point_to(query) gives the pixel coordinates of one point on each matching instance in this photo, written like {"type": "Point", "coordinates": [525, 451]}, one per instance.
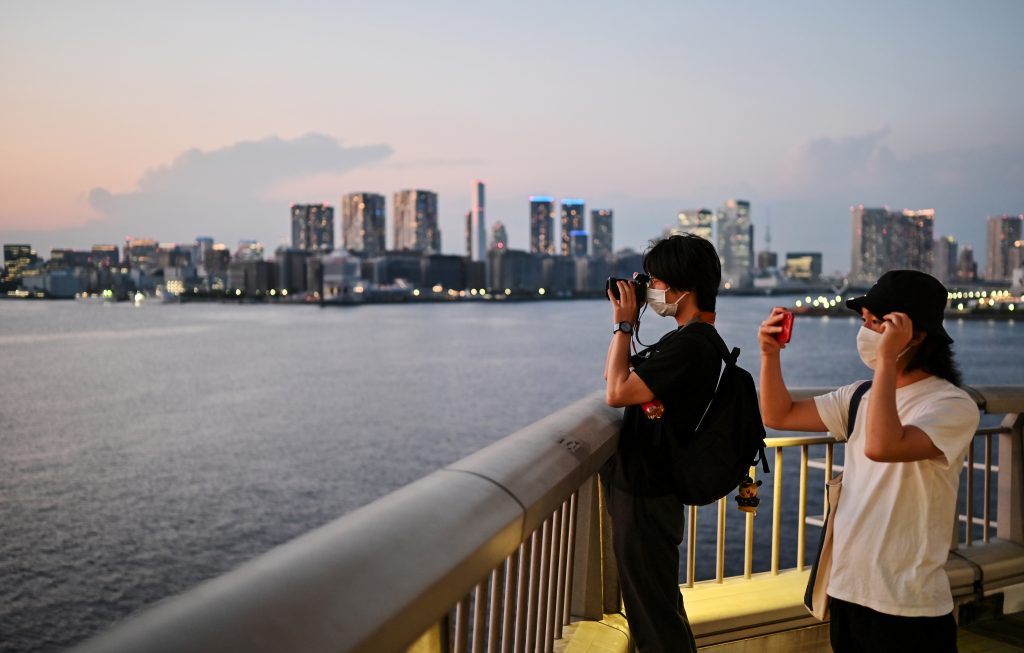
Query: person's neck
{"type": "Point", "coordinates": [905, 378]}
{"type": "Point", "coordinates": [686, 313]}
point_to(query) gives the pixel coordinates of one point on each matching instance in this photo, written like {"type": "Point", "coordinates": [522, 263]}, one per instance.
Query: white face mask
{"type": "Point", "coordinates": [656, 300]}
{"type": "Point", "coordinates": [867, 347]}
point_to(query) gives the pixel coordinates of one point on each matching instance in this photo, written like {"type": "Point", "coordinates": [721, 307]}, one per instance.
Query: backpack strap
{"type": "Point", "coordinates": [851, 415]}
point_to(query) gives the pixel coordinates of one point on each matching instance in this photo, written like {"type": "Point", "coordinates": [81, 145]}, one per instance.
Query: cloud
{"type": "Point", "coordinates": [225, 192]}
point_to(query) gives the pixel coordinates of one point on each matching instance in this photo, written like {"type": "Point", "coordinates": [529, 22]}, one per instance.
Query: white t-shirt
{"type": "Point", "coordinates": [895, 520]}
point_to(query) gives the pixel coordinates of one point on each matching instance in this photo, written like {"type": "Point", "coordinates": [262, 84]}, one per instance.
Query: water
{"type": "Point", "coordinates": [143, 450]}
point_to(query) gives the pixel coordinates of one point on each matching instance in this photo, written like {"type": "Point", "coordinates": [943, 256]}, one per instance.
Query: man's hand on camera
{"type": "Point", "coordinates": [624, 309]}
{"type": "Point", "coordinates": [766, 335]}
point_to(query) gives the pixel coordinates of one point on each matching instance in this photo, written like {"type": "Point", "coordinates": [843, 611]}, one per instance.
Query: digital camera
{"type": "Point", "coordinates": [639, 283]}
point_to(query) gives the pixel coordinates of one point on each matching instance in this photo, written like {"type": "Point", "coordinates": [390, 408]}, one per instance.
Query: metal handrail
{"type": "Point", "coordinates": [505, 543]}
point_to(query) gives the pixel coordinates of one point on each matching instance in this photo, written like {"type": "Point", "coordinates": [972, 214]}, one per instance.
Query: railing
{"type": "Point", "coordinates": [511, 539]}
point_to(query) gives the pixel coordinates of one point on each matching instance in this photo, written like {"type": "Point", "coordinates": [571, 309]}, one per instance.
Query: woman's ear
{"type": "Point", "coordinates": [918, 338]}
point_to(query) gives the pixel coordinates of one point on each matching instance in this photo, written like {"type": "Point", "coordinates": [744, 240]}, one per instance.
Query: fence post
{"type": "Point", "coordinates": [1010, 517]}
{"type": "Point", "coordinates": [593, 574]}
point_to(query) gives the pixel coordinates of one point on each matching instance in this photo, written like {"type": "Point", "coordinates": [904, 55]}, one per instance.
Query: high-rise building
{"type": "Point", "coordinates": [415, 221]}
{"type": "Point", "coordinates": [478, 223]}
{"type": "Point", "coordinates": [469, 235]}
{"type": "Point", "coordinates": [499, 236]}
{"type": "Point", "coordinates": [16, 259]}
{"type": "Point", "coordinates": [805, 266]}
{"type": "Point", "coordinates": [698, 222]}
{"type": "Point", "coordinates": [542, 224]}
{"type": "Point", "coordinates": [944, 265]}
{"type": "Point", "coordinates": [313, 227]}
{"type": "Point", "coordinates": [1003, 232]}
{"type": "Point", "coordinates": [141, 253]}
{"type": "Point", "coordinates": [248, 250]}
{"type": "Point", "coordinates": [601, 232]}
{"type": "Point", "coordinates": [767, 260]}
{"type": "Point", "coordinates": [362, 223]}
{"type": "Point", "coordinates": [574, 229]}
{"type": "Point", "coordinates": [107, 256]}
{"type": "Point", "coordinates": [889, 240]}
{"type": "Point", "coordinates": [736, 242]}
{"type": "Point", "coordinates": [966, 266]}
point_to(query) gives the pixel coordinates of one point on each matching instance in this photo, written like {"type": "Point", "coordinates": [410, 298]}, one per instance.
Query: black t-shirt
{"type": "Point", "coordinates": [681, 370]}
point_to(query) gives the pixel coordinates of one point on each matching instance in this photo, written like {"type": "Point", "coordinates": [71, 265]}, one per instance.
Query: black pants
{"type": "Point", "coordinates": [646, 533]}
{"type": "Point", "coordinates": [856, 628]}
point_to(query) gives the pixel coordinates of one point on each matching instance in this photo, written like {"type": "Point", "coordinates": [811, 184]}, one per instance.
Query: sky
{"type": "Point", "coordinates": [174, 120]}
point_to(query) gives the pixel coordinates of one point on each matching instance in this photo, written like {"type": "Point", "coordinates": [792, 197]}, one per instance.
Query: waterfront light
{"type": "Point", "coordinates": [359, 290]}
{"type": "Point", "coordinates": [416, 292]}
{"type": "Point", "coordinates": [807, 299]}
{"type": "Point", "coordinates": [508, 291]}
{"type": "Point", "coordinates": [799, 303]}
{"type": "Point", "coordinates": [1012, 307]}
{"type": "Point", "coordinates": [238, 292]}
{"type": "Point", "coordinates": [959, 307]}
{"type": "Point", "coordinates": [284, 292]}
{"type": "Point", "coordinates": [437, 288]}
{"type": "Point", "coordinates": [273, 292]}
{"type": "Point", "coordinates": [472, 291]}
{"type": "Point", "coordinates": [541, 291]}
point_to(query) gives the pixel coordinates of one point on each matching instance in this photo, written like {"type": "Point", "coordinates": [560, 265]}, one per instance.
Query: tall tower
{"type": "Point", "coordinates": [890, 240]}
{"type": "Point", "coordinates": [478, 239]}
{"type": "Point", "coordinates": [542, 224]}
{"type": "Point", "coordinates": [313, 227]}
{"type": "Point", "coordinates": [415, 221]}
{"type": "Point", "coordinates": [601, 232]}
{"type": "Point", "coordinates": [736, 242]}
{"type": "Point", "coordinates": [698, 222]}
{"type": "Point", "coordinates": [574, 231]}
{"type": "Point", "coordinates": [944, 266]}
{"type": "Point", "coordinates": [499, 236]}
{"type": "Point", "coordinates": [362, 223]}
{"type": "Point", "coordinates": [1002, 233]}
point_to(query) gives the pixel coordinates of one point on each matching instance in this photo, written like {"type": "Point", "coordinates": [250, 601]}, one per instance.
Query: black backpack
{"type": "Point", "coordinates": [710, 462]}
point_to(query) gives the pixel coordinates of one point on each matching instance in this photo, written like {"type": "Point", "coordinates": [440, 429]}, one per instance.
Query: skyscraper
{"type": "Point", "coordinates": [415, 221]}
{"type": "Point", "coordinates": [1003, 232]}
{"type": "Point", "coordinates": [362, 223]}
{"type": "Point", "coordinates": [698, 222]}
{"type": "Point", "coordinates": [944, 267]}
{"type": "Point", "coordinates": [574, 229]}
{"type": "Point", "coordinates": [313, 227]}
{"type": "Point", "coordinates": [478, 239]}
{"type": "Point", "coordinates": [499, 236]}
{"type": "Point", "coordinates": [601, 232]}
{"type": "Point", "coordinates": [736, 242]}
{"type": "Point", "coordinates": [16, 258]}
{"type": "Point", "coordinates": [542, 224]}
{"type": "Point", "coordinates": [889, 240]}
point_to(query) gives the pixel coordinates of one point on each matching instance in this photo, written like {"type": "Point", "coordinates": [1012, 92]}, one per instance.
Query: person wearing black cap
{"type": "Point", "coordinates": [901, 471]}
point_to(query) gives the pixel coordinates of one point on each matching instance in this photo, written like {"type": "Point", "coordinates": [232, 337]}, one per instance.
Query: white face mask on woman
{"type": "Point", "coordinates": [867, 346]}
{"type": "Point", "coordinates": [656, 300]}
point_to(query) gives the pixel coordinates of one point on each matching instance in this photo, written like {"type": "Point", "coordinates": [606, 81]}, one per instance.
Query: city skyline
{"type": "Point", "coordinates": [813, 109]}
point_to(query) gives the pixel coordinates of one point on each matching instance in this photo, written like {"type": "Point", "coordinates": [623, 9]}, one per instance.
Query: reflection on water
{"type": "Point", "coordinates": [145, 449]}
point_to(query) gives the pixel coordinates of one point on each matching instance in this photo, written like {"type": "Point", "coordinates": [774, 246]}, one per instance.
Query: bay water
{"type": "Point", "coordinates": [146, 449]}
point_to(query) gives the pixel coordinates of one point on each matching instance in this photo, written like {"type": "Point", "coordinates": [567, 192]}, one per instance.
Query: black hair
{"type": "Point", "coordinates": [935, 356]}
{"type": "Point", "coordinates": [686, 262]}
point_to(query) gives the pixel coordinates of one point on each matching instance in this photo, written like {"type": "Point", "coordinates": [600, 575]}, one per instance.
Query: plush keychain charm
{"type": "Point", "coordinates": [747, 499]}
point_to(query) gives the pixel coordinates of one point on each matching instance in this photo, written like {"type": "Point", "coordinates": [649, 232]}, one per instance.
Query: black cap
{"type": "Point", "coordinates": [921, 296]}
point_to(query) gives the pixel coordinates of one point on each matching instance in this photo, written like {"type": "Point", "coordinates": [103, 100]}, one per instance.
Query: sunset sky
{"type": "Point", "coordinates": [210, 118]}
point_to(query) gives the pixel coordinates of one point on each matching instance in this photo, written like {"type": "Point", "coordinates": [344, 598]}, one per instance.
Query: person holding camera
{"type": "Point", "coordinates": [665, 389]}
{"type": "Point", "coordinates": [888, 588]}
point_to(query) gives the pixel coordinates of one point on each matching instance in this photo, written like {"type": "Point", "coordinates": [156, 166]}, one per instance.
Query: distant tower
{"type": "Point", "coordinates": [415, 221]}
{"type": "Point", "coordinates": [946, 252]}
{"type": "Point", "coordinates": [736, 242]}
{"type": "Point", "coordinates": [889, 240]}
{"type": "Point", "coordinates": [542, 224]}
{"type": "Point", "coordinates": [574, 231]}
{"type": "Point", "coordinates": [499, 236]}
{"type": "Point", "coordinates": [601, 232]}
{"type": "Point", "coordinates": [1002, 232]}
{"type": "Point", "coordinates": [362, 223]}
{"type": "Point", "coordinates": [698, 222]}
{"type": "Point", "coordinates": [469, 235]}
{"type": "Point", "coordinates": [313, 227]}
{"type": "Point", "coordinates": [478, 222]}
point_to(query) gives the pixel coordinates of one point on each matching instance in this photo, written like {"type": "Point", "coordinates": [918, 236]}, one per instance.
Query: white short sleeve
{"type": "Point", "coordinates": [833, 408]}
{"type": "Point", "coordinates": [950, 421]}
